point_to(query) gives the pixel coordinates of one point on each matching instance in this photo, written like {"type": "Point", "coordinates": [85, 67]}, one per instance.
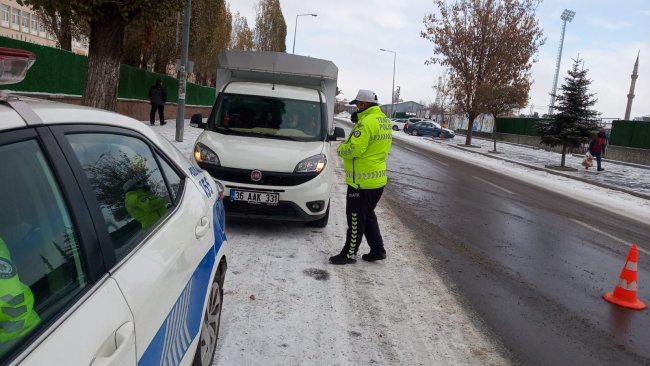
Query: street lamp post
{"type": "Point", "coordinates": [392, 95]}
{"type": "Point", "coordinates": [295, 29]}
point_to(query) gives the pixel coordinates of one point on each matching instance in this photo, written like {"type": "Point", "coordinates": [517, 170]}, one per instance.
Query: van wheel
{"type": "Point", "coordinates": [395, 128]}
{"type": "Point", "coordinates": [210, 327]}
{"type": "Point", "coordinates": [322, 222]}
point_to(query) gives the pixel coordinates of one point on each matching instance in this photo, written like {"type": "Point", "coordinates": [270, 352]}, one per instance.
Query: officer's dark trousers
{"type": "Point", "coordinates": [161, 113]}
{"type": "Point", "coordinates": [362, 221]}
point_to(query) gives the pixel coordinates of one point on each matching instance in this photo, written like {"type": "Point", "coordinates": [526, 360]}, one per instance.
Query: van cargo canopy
{"type": "Point", "coordinates": [277, 67]}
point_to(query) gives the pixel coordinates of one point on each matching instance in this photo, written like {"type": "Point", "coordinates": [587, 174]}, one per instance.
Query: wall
{"type": "Point", "coordinates": [137, 109]}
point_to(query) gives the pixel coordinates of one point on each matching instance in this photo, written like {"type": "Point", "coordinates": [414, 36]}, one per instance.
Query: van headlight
{"type": "Point", "coordinates": [203, 154]}
{"type": "Point", "coordinates": [314, 164]}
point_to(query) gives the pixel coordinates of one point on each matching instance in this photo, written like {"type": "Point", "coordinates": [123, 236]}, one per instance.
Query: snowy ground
{"type": "Point", "coordinates": [285, 305]}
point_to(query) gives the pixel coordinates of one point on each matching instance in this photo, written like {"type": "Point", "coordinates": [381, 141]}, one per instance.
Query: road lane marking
{"type": "Point", "coordinates": [608, 235]}
{"type": "Point", "coordinates": [494, 185]}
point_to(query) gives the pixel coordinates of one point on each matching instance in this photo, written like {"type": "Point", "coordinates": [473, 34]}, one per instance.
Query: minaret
{"type": "Point", "coordinates": [630, 96]}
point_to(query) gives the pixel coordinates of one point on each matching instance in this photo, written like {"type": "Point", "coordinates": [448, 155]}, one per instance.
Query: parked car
{"type": "Point", "coordinates": [398, 123]}
{"type": "Point", "coordinates": [413, 120]}
{"type": "Point", "coordinates": [428, 128]}
{"type": "Point", "coordinates": [112, 242]}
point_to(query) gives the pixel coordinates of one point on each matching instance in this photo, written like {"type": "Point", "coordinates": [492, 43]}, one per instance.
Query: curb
{"type": "Point", "coordinates": [555, 172]}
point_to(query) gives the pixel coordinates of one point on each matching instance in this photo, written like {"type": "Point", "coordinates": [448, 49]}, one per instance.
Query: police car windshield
{"type": "Point", "coordinates": [266, 117]}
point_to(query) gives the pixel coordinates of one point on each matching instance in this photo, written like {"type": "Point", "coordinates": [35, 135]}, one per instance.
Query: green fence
{"type": "Point", "coordinates": [58, 71]}
{"type": "Point", "coordinates": [517, 126]}
{"type": "Point", "coordinates": [630, 134]}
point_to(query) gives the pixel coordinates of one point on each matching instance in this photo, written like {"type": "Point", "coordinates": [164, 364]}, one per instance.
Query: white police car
{"type": "Point", "coordinates": [112, 243]}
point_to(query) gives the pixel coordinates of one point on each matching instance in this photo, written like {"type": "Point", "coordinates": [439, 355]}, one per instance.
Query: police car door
{"type": "Point", "coordinates": [59, 305]}
{"type": "Point", "coordinates": [160, 233]}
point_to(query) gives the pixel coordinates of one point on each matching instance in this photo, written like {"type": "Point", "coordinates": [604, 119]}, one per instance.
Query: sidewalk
{"type": "Point", "coordinates": [625, 177]}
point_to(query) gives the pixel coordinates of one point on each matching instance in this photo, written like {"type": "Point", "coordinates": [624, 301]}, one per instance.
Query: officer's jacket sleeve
{"type": "Point", "coordinates": [357, 142]}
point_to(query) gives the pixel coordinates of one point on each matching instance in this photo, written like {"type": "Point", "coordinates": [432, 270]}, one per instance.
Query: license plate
{"type": "Point", "coordinates": [253, 197]}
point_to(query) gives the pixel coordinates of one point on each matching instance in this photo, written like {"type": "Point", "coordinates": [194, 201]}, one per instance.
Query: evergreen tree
{"type": "Point", "coordinates": [576, 121]}
{"type": "Point", "coordinates": [270, 27]}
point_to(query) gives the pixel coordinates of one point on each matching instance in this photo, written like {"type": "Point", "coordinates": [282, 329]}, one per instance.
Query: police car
{"type": "Point", "coordinates": [112, 243]}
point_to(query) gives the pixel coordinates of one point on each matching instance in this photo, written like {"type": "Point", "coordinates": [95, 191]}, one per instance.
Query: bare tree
{"type": "Point", "coordinates": [242, 35]}
{"type": "Point", "coordinates": [443, 93]}
{"type": "Point", "coordinates": [270, 27]}
{"type": "Point", "coordinates": [482, 42]}
{"type": "Point", "coordinates": [498, 99]}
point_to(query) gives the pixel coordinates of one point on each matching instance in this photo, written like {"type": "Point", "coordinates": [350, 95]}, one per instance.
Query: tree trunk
{"type": "Point", "coordinates": [468, 138]}
{"type": "Point", "coordinates": [104, 57]}
{"type": "Point", "coordinates": [563, 155]}
{"type": "Point", "coordinates": [494, 131]}
{"type": "Point", "coordinates": [65, 37]}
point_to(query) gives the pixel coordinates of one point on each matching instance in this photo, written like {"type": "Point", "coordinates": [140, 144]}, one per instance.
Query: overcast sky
{"type": "Point", "coordinates": [606, 33]}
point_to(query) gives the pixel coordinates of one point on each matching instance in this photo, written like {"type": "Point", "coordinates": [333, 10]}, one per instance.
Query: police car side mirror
{"type": "Point", "coordinates": [338, 132]}
{"type": "Point", "coordinates": [197, 121]}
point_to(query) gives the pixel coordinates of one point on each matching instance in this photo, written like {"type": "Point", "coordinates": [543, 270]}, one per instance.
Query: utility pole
{"type": "Point", "coordinates": [182, 72]}
{"type": "Point", "coordinates": [567, 15]}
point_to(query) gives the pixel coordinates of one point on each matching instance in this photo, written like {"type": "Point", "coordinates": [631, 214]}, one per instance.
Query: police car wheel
{"type": "Point", "coordinates": [210, 328]}
{"type": "Point", "coordinates": [395, 128]}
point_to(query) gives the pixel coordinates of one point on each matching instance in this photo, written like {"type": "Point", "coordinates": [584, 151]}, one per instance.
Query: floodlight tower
{"type": "Point", "coordinates": [567, 15]}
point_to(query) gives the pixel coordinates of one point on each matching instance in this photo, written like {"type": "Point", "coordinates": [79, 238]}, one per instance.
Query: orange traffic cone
{"type": "Point", "coordinates": [624, 293]}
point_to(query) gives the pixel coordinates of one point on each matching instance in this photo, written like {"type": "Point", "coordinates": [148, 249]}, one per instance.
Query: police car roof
{"type": "Point", "coordinates": [53, 113]}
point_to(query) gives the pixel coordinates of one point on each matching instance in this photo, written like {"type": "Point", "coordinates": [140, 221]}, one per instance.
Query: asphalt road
{"type": "Point", "coordinates": [531, 263]}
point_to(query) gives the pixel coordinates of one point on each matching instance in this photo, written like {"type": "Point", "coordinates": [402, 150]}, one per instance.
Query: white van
{"type": "Point", "coordinates": [268, 136]}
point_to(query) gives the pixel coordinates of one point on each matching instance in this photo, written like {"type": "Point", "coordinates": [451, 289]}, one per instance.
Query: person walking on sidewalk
{"type": "Point", "coordinates": [597, 147]}
{"type": "Point", "coordinates": [158, 98]}
{"type": "Point", "coordinates": [364, 156]}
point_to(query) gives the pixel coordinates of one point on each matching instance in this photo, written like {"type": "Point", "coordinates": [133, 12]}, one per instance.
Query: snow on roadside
{"type": "Point", "coordinates": [285, 305]}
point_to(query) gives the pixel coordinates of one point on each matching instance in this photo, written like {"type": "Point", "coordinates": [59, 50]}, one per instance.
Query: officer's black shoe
{"type": "Point", "coordinates": [342, 259]}
{"type": "Point", "coordinates": [374, 256]}
{"type": "Point", "coordinates": [163, 123]}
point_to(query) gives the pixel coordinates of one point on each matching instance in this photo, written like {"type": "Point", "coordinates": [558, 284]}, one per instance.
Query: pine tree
{"type": "Point", "coordinates": [575, 121]}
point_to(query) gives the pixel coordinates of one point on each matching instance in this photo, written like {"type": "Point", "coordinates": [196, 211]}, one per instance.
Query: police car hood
{"type": "Point", "coordinates": [244, 152]}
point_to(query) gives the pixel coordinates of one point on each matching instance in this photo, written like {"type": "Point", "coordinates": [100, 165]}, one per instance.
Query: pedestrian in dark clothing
{"type": "Point", "coordinates": [597, 147]}
{"type": "Point", "coordinates": [158, 98]}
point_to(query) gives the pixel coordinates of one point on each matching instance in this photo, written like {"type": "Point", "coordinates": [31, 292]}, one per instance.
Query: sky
{"type": "Point", "coordinates": [285, 305]}
{"type": "Point", "coordinates": [607, 35]}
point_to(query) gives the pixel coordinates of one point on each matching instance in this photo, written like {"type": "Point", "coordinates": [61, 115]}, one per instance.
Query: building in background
{"type": "Point", "coordinates": [410, 108]}
{"type": "Point", "coordinates": [22, 23]}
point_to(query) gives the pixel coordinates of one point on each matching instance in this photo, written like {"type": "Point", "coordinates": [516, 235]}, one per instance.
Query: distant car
{"type": "Point", "coordinates": [398, 123]}
{"type": "Point", "coordinates": [428, 128]}
{"type": "Point", "coordinates": [112, 242]}
{"type": "Point", "coordinates": [413, 120]}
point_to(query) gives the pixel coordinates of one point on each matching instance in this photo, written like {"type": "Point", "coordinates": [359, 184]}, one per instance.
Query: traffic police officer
{"type": "Point", "coordinates": [364, 159]}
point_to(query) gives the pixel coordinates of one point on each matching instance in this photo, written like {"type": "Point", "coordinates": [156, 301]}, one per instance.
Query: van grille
{"type": "Point", "coordinates": [268, 178]}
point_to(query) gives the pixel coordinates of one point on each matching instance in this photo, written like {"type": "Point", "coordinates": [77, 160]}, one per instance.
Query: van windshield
{"type": "Point", "coordinates": [267, 117]}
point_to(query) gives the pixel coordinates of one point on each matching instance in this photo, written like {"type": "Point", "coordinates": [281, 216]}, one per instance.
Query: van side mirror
{"type": "Point", "coordinates": [338, 132]}
{"type": "Point", "coordinates": [197, 121]}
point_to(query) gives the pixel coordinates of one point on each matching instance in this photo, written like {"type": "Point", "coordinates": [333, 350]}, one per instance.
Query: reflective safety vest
{"type": "Point", "coordinates": [145, 207]}
{"type": "Point", "coordinates": [17, 315]}
{"type": "Point", "coordinates": [365, 151]}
